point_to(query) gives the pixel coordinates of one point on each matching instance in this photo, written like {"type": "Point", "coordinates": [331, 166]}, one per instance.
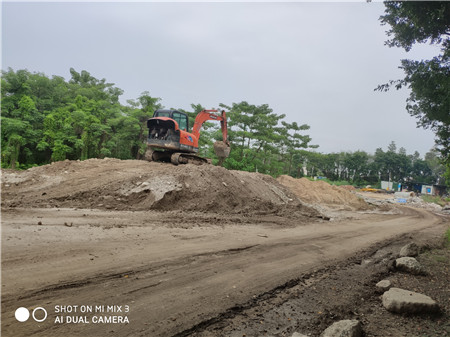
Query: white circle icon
{"type": "Point", "coordinates": [22, 314]}
{"type": "Point", "coordinates": [42, 319]}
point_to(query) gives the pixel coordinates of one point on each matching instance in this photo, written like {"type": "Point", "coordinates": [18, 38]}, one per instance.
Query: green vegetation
{"type": "Point", "coordinates": [435, 199]}
{"type": "Point", "coordinates": [335, 182]}
{"type": "Point", "coordinates": [414, 22]}
{"type": "Point", "coordinates": [50, 119]}
{"type": "Point", "coordinates": [360, 168]}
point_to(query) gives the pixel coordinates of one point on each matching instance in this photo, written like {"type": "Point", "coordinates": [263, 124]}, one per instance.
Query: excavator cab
{"type": "Point", "coordinates": [180, 117]}
{"type": "Point", "coordinates": [167, 130]}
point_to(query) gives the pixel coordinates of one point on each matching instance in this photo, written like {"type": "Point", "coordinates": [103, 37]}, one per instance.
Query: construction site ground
{"type": "Point", "coordinates": [203, 251]}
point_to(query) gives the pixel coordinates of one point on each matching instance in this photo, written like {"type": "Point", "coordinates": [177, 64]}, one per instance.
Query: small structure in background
{"type": "Point", "coordinates": [427, 189]}
{"type": "Point", "coordinates": [424, 188]}
{"type": "Point", "coordinates": [387, 185]}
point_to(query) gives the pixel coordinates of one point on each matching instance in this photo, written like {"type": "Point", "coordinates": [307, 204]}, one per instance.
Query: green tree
{"type": "Point", "coordinates": [293, 141]}
{"type": "Point", "coordinates": [48, 119]}
{"type": "Point", "coordinates": [435, 166]}
{"type": "Point", "coordinates": [21, 130]}
{"type": "Point", "coordinates": [261, 140]}
{"type": "Point", "coordinates": [144, 107]}
{"type": "Point", "coordinates": [429, 80]}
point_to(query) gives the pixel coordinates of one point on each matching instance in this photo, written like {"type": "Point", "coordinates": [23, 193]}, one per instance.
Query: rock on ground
{"type": "Point", "coordinates": [383, 285]}
{"type": "Point", "coordinates": [411, 249]}
{"type": "Point", "coordinates": [345, 328]}
{"type": "Point", "coordinates": [410, 265]}
{"type": "Point", "coordinates": [446, 209]}
{"type": "Point", "coordinates": [405, 301]}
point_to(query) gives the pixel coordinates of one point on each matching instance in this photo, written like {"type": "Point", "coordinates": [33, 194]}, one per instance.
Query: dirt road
{"type": "Point", "coordinates": [130, 248]}
{"type": "Point", "coordinates": [170, 270]}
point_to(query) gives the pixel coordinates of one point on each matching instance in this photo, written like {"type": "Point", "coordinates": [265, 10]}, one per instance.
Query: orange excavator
{"type": "Point", "coordinates": [169, 138]}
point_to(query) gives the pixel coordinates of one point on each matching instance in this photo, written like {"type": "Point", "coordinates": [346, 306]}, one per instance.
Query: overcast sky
{"type": "Point", "coordinates": [318, 63]}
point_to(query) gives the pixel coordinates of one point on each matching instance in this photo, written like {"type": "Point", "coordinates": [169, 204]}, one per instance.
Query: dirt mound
{"type": "Point", "coordinates": [140, 185]}
{"type": "Point", "coordinates": [348, 187]}
{"type": "Point", "coordinates": [322, 193]}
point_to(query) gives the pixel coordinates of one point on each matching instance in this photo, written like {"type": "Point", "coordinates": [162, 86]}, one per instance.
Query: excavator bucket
{"type": "Point", "coordinates": [222, 151]}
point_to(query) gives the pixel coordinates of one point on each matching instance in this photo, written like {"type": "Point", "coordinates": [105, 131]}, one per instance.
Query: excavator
{"type": "Point", "coordinates": [169, 138]}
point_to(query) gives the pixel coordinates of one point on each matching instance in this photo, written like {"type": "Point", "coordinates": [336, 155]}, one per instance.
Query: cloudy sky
{"type": "Point", "coordinates": [316, 62]}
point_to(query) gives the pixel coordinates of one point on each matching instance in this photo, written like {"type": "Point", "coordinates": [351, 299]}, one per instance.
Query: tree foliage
{"type": "Point", "coordinates": [429, 80]}
{"type": "Point", "coordinates": [262, 140]}
{"type": "Point", "coordinates": [51, 119]}
{"type": "Point", "coordinates": [361, 168]}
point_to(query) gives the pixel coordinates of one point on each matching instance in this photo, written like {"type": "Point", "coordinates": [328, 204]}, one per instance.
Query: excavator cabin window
{"type": "Point", "coordinates": [181, 119]}
{"type": "Point", "coordinates": [160, 113]}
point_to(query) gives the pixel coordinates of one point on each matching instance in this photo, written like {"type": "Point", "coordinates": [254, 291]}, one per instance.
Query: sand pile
{"type": "Point", "coordinates": [140, 185]}
{"type": "Point", "coordinates": [320, 192]}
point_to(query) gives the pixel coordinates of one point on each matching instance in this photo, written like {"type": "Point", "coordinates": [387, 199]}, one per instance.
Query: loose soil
{"type": "Point", "coordinates": [203, 251]}
{"type": "Point", "coordinates": [140, 185]}
{"type": "Point", "coordinates": [320, 192]}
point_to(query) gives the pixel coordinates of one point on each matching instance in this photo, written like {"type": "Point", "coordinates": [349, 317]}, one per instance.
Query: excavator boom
{"type": "Point", "coordinates": [207, 115]}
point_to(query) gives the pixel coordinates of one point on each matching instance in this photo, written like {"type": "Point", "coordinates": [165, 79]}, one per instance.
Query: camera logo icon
{"type": "Point", "coordinates": [22, 314]}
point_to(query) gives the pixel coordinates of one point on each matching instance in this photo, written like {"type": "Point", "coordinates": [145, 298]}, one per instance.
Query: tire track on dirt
{"type": "Point", "coordinates": [154, 268]}
{"type": "Point", "coordinates": [172, 296]}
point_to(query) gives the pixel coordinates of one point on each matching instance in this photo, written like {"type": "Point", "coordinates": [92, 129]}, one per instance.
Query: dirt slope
{"type": "Point", "coordinates": [323, 193]}
{"type": "Point", "coordinates": [139, 185]}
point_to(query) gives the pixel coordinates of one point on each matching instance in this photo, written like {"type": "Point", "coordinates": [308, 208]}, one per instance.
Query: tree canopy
{"type": "Point", "coordinates": [414, 22]}
{"type": "Point", "coordinates": [50, 119]}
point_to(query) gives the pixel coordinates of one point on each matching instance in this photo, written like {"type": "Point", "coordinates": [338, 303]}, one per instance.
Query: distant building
{"type": "Point", "coordinates": [424, 188]}
{"type": "Point", "coordinates": [387, 185]}
{"type": "Point", "coordinates": [427, 189]}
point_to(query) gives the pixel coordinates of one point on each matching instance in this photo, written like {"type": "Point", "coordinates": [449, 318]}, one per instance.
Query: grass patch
{"type": "Point", "coordinates": [331, 182]}
{"type": "Point", "coordinates": [435, 199]}
{"type": "Point", "coordinates": [440, 258]}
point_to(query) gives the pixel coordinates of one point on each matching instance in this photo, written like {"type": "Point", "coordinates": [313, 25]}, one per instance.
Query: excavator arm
{"type": "Point", "coordinates": [208, 115]}
{"type": "Point", "coordinates": [222, 149]}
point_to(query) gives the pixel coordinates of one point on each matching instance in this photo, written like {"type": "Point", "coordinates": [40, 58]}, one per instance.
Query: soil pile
{"type": "Point", "coordinates": [323, 193]}
{"type": "Point", "coordinates": [140, 185]}
{"type": "Point", "coordinates": [348, 187]}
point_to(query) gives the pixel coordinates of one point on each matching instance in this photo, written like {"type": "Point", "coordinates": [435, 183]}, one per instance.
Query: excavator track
{"type": "Point", "coordinates": [187, 158]}
{"type": "Point", "coordinates": [176, 158]}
